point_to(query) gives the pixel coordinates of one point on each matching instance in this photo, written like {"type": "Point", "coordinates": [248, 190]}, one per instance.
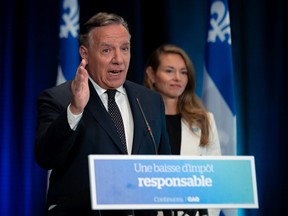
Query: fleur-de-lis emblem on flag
{"type": "Point", "coordinates": [219, 23]}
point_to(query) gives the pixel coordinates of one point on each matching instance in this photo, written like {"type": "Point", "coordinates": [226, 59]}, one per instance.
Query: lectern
{"type": "Point", "coordinates": [172, 182]}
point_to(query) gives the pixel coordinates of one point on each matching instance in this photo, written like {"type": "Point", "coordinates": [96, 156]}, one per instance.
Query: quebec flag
{"type": "Point", "coordinates": [218, 86]}
{"type": "Point", "coordinates": [68, 44]}
{"type": "Point", "coordinates": [68, 40]}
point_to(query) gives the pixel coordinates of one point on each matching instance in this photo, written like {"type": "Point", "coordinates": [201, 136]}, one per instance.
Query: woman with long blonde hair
{"type": "Point", "coordinates": [192, 130]}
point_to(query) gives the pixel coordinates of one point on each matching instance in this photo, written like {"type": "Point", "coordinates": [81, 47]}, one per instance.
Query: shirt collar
{"type": "Point", "coordinates": [101, 91]}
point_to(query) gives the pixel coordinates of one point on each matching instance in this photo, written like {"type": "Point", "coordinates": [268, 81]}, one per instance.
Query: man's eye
{"type": "Point", "coordinates": [125, 49]}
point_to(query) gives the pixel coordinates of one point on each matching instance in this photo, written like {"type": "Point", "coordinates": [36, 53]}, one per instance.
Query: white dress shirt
{"type": "Point", "coordinates": [122, 101]}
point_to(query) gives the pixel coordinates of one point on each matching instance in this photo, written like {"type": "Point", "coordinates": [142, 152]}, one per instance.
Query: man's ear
{"type": "Point", "coordinates": [151, 74]}
{"type": "Point", "coordinates": [83, 52]}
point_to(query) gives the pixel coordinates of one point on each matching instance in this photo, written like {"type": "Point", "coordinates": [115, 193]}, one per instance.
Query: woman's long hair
{"type": "Point", "coordinates": [189, 104]}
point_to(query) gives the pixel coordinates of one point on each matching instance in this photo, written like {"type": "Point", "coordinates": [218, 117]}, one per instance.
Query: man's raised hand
{"type": "Point", "coordinates": [80, 89]}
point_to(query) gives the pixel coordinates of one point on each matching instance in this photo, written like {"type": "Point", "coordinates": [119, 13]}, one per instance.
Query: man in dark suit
{"type": "Point", "coordinates": [74, 122]}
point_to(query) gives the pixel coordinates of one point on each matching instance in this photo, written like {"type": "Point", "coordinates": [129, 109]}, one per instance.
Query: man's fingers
{"type": "Point", "coordinates": [83, 63]}
{"type": "Point", "coordinates": [82, 73]}
{"type": "Point", "coordinates": [80, 88]}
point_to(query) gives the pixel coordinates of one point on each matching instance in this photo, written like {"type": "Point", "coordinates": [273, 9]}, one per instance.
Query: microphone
{"type": "Point", "coordinates": [148, 126]}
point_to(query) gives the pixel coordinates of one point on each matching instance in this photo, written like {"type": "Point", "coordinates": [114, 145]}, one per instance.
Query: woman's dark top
{"type": "Point", "coordinates": [173, 123]}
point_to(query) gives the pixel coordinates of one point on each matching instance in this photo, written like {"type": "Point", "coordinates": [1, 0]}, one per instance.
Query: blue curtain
{"type": "Point", "coordinates": [29, 47]}
{"type": "Point", "coordinates": [28, 64]}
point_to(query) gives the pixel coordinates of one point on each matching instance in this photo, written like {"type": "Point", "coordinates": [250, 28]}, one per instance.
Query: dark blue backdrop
{"type": "Point", "coordinates": [28, 51]}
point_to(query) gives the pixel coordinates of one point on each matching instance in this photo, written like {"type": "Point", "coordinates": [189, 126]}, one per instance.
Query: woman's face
{"type": "Point", "coordinates": [171, 77]}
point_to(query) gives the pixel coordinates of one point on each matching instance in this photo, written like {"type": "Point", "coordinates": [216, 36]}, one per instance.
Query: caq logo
{"type": "Point", "coordinates": [193, 199]}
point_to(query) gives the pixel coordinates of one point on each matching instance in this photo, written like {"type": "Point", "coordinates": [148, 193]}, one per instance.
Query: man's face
{"type": "Point", "coordinates": [108, 55]}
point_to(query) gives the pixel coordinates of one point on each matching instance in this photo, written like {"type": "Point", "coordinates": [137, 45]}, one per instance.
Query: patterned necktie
{"type": "Point", "coordinates": [115, 114]}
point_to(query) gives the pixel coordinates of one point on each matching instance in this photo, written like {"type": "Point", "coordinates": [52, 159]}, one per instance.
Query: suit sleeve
{"type": "Point", "coordinates": [214, 142]}
{"type": "Point", "coordinates": [213, 149]}
{"type": "Point", "coordinates": [54, 137]}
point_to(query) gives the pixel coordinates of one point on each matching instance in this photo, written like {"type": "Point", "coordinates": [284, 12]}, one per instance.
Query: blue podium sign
{"type": "Point", "coordinates": [172, 182]}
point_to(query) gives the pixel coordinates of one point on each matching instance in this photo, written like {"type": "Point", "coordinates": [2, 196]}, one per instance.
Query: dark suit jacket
{"type": "Point", "coordinates": [65, 151]}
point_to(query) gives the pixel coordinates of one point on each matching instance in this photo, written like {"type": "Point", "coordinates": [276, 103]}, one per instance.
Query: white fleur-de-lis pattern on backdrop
{"type": "Point", "coordinates": [220, 23]}
{"type": "Point", "coordinates": [71, 19]}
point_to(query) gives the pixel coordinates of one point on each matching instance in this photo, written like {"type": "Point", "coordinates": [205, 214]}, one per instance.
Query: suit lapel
{"type": "Point", "coordinates": [99, 112]}
{"type": "Point", "coordinates": [139, 124]}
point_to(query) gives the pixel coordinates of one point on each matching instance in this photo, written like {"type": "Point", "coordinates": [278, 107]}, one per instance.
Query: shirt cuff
{"type": "Point", "coordinates": [73, 120]}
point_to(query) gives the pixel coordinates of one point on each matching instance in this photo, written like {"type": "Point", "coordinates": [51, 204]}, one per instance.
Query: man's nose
{"type": "Point", "coordinates": [117, 56]}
